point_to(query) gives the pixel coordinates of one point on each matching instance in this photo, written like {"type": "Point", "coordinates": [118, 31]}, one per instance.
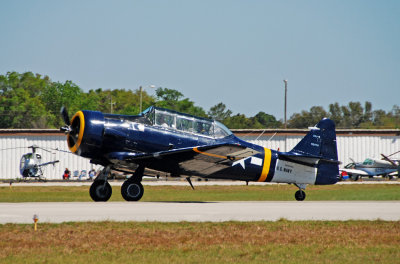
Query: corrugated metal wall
{"type": "Point", "coordinates": [13, 147]}
{"type": "Point", "coordinates": [357, 147]}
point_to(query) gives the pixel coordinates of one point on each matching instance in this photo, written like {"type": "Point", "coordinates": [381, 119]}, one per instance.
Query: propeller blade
{"type": "Point", "coordinates": [64, 114]}
{"type": "Point", "coordinates": [393, 154]}
{"type": "Point", "coordinates": [389, 160]}
{"type": "Point", "coordinates": [72, 137]}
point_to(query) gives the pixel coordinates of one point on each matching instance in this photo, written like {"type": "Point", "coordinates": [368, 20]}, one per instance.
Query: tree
{"type": "Point", "coordinates": [316, 114]}
{"type": "Point", "coordinates": [356, 114]}
{"type": "Point", "coordinates": [172, 99]}
{"type": "Point", "coordinates": [378, 118]}
{"type": "Point", "coordinates": [20, 104]}
{"type": "Point", "coordinates": [238, 121]}
{"type": "Point", "coordinates": [219, 112]}
{"type": "Point", "coordinates": [301, 120]}
{"type": "Point", "coordinates": [367, 112]}
{"type": "Point", "coordinates": [20, 110]}
{"type": "Point", "coordinates": [168, 98]}
{"type": "Point", "coordinates": [59, 94]}
{"type": "Point", "coordinates": [266, 120]}
{"type": "Point", "coordinates": [335, 113]}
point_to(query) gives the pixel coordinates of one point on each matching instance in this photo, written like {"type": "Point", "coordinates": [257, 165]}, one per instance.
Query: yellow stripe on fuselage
{"type": "Point", "coordinates": [266, 165]}
{"type": "Point", "coordinates": [209, 154]}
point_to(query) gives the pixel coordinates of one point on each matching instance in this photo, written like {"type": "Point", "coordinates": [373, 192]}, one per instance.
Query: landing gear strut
{"type": "Point", "coordinates": [101, 190]}
{"type": "Point", "coordinates": [132, 189]}
{"type": "Point", "coordinates": [300, 195]}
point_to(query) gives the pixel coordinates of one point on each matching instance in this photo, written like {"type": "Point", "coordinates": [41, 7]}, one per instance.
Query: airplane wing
{"type": "Point", "coordinates": [202, 160]}
{"type": "Point", "coordinates": [355, 171]}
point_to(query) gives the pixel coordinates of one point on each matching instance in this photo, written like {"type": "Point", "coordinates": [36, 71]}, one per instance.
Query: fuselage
{"type": "Point", "coordinates": [95, 134]}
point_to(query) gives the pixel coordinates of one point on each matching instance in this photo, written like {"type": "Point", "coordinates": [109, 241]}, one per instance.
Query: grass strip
{"type": "Point", "coordinates": [228, 242]}
{"type": "Point", "coordinates": [279, 192]}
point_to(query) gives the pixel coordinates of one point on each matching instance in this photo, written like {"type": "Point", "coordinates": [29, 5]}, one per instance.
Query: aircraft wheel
{"type": "Point", "coordinates": [100, 191]}
{"type": "Point", "coordinates": [300, 195]}
{"type": "Point", "coordinates": [132, 191]}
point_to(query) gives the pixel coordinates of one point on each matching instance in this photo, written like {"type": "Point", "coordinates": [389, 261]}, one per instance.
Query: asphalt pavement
{"type": "Point", "coordinates": [199, 211]}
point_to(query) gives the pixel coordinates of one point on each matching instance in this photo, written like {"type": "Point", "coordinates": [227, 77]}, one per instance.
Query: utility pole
{"type": "Point", "coordinates": [285, 81]}
{"type": "Point", "coordinates": [111, 104]}
{"type": "Point", "coordinates": [140, 90]}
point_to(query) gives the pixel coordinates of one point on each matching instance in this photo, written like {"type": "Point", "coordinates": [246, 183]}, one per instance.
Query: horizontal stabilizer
{"type": "Point", "coordinates": [306, 159]}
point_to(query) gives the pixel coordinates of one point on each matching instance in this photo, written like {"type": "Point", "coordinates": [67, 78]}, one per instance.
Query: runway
{"type": "Point", "coordinates": [199, 211]}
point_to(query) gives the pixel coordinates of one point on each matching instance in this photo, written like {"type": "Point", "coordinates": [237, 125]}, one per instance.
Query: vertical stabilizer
{"type": "Point", "coordinates": [321, 142]}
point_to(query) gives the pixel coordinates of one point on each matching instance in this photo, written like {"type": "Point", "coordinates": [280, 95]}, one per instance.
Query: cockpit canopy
{"type": "Point", "coordinates": [169, 119]}
{"type": "Point", "coordinates": [368, 162]}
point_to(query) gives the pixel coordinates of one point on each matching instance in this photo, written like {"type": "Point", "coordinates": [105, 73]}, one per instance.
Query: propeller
{"type": "Point", "coordinates": [64, 114]}
{"type": "Point", "coordinates": [393, 154]}
{"type": "Point", "coordinates": [389, 160]}
{"type": "Point", "coordinates": [71, 129]}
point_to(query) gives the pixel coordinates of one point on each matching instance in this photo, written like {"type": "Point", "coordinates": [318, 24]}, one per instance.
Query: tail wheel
{"type": "Point", "coordinates": [132, 191]}
{"type": "Point", "coordinates": [300, 195]}
{"type": "Point", "coordinates": [100, 191]}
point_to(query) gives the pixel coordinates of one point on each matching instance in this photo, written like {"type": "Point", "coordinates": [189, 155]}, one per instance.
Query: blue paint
{"type": "Point", "coordinates": [182, 144]}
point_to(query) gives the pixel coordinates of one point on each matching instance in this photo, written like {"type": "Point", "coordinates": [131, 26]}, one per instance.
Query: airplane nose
{"type": "Point", "coordinates": [75, 135]}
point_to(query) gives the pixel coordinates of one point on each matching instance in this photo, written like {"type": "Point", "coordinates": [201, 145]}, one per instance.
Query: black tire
{"type": "Point", "coordinates": [354, 177]}
{"type": "Point", "coordinates": [100, 191]}
{"type": "Point", "coordinates": [132, 191]}
{"type": "Point", "coordinates": [300, 195]}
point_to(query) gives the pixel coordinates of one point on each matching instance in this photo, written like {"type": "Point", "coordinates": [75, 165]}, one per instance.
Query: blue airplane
{"type": "Point", "coordinates": [185, 145]}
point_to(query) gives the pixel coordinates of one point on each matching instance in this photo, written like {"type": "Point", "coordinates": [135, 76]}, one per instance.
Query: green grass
{"type": "Point", "coordinates": [229, 242]}
{"type": "Point", "coordinates": [280, 192]}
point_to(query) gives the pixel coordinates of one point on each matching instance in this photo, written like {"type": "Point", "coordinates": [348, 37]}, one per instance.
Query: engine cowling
{"type": "Point", "coordinates": [86, 135]}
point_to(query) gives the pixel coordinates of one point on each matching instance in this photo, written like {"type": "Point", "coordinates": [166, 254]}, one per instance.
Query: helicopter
{"type": "Point", "coordinates": [385, 167]}
{"type": "Point", "coordinates": [31, 165]}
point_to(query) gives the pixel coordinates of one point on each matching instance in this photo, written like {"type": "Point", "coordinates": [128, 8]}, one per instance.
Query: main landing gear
{"type": "Point", "coordinates": [101, 190]}
{"type": "Point", "coordinates": [131, 190]}
{"type": "Point", "coordinates": [300, 195]}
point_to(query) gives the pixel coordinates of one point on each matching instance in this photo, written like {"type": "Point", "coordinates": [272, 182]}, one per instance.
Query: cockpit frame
{"type": "Point", "coordinates": [171, 120]}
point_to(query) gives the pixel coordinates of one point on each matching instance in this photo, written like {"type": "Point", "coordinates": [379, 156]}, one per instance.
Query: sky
{"type": "Point", "coordinates": [230, 51]}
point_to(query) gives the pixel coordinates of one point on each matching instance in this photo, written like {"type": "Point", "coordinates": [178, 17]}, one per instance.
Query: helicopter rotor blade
{"type": "Point", "coordinates": [46, 150]}
{"type": "Point", "coordinates": [13, 148]}
{"type": "Point", "coordinates": [61, 150]}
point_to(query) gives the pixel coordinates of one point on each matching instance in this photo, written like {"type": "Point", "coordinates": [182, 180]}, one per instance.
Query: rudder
{"type": "Point", "coordinates": [321, 142]}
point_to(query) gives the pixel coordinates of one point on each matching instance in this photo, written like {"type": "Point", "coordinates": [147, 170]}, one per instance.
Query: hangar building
{"type": "Point", "coordinates": [357, 144]}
